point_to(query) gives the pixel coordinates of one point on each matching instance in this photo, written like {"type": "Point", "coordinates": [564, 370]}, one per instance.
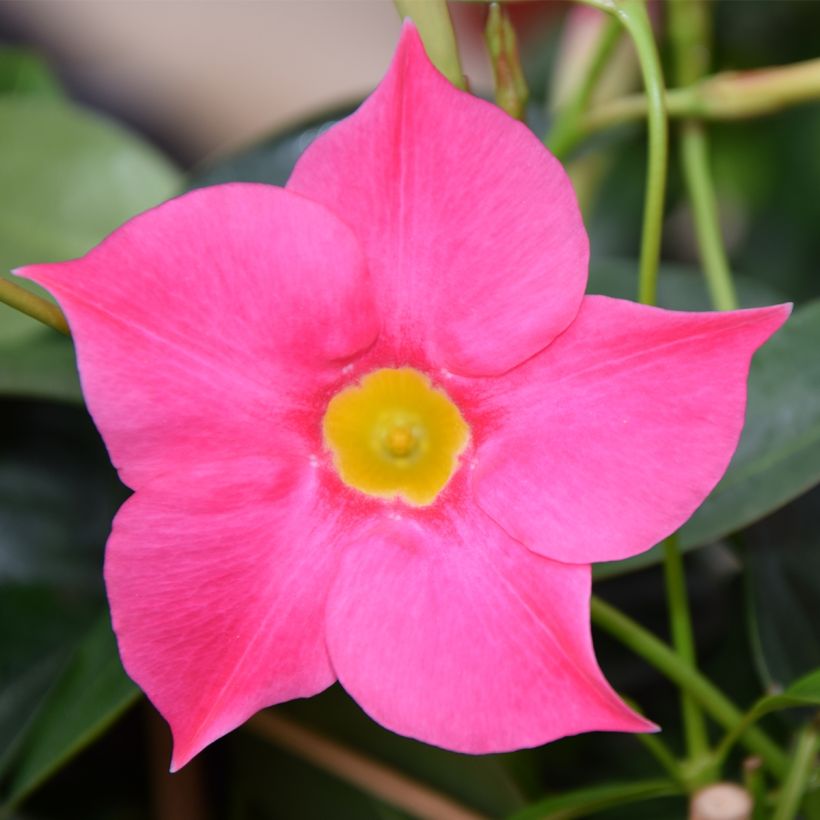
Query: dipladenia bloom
{"type": "Point", "coordinates": [377, 433]}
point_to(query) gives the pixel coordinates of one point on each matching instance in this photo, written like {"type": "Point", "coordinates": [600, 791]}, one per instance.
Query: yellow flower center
{"type": "Point", "coordinates": [394, 435]}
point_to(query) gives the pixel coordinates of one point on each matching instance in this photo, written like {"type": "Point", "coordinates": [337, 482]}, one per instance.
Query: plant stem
{"type": "Point", "coordinates": [729, 95]}
{"type": "Point", "coordinates": [680, 626]}
{"type": "Point", "coordinates": [689, 28]}
{"type": "Point", "coordinates": [433, 21]}
{"type": "Point", "coordinates": [660, 751]}
{"type": "Point", "coordinates": [32, 305]}
{"type": "Point", "coordinates": [755, 784]}
{"type": "Point", "coordinates": [695, 162]}
{"type": "Point", "coordinates": [633, 16]}
{"type": "Point", "coordinates": [511, 91]}
{"type": "Point", "coordinates": [802, 763]}
{"type": "Point", "coordinates": [637, 23]}
{"type": "Point", "coordinates": [563, 133]}
{"type": "Point", "coordinates": [664, 659]}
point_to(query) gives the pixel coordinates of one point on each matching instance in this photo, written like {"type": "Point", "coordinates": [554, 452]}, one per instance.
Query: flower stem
{"type": "Point", "coordinates": [689, 28]}
{"type": "Point", "coordinates": [32, 305]}
{"type": "Point", "coordinates": [664, 659]}
{"type": "Point", "coordinates": [660, 751]}
{"type": "Point", "coordinates": [564, 132]}
{"type": "Point", "coordinates": [433, 21]}
{"type": "Point", "coordinates": [729, 95]}
{"type": "Point", "coordinates": [634, 18]}
{"type": "Point", "coordinates": [802, 763]}
{"type": "Point", "coordinates": [680, 626]}
{"type": "Point", "coordinates": [511, 90]}
{"type": "Point", "coordinates": [755, 784]}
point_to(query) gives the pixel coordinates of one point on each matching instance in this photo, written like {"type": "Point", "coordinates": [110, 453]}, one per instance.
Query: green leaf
{"type": "Point", "coordinates": [802, 693]}
{"type": "Point", "coordinates": [25, 73]}
{"type": "Point", "coordinates": [584, 802]}
{"type": "Point", "coordinates": [58, 494]}
{"type": "Point", "coordinates": [67, 179]}
{"type": "Point", "coordinates": [90, 694]}
{"type": "Point", "coordinates": [40, 365]}
{"type": "Point", "coordinates": [781, 556]}
{"type": "Point", "coordinates": [778, 458]}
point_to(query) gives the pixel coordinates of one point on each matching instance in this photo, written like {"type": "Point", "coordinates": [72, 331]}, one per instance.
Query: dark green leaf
{"type": "Point", "coordinates": [585, 802]}
{"type": "Point", "coordinates": [37, 628]}
{"type": "Point", "coordinates": [91, 693]}
{"type": "Point", "coordinates": [25, 73]}
{"type": "Point", "coordinates": [58, 494]}
{"type": "Point", "coordinates": [67, 179]}
{"type": "Point", "coordinates": [782, 560]}
{"type": "Point", "coordinates": [778, 458]}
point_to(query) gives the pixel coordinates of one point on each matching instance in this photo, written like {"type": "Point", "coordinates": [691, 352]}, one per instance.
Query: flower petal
{"type": "Point", "coordinates": [467, 221]}
{"type": "Point", "coordinates": [451, 633]}
{"type": "Point", "coordinates": [217, 580]}
{"type": "Point", "coordinates": [199, 323]}
{"type": "Point", "coordinates": [611, 438]}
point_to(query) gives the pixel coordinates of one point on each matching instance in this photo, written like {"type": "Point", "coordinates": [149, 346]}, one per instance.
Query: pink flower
{"type": "Point", "coordinates": [377, 433]}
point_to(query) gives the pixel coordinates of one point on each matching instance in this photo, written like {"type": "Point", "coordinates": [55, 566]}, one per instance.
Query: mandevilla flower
{"type": "Point", "coordinates": [377, 433]}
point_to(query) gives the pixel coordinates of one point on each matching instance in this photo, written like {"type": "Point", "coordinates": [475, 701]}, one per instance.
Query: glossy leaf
{"type": "Point", "coordinates": [67, 179]}
{"type": "Point", "coordinates": [778, 458]}
{"type": "Point", "coordinates": [57, 496]}
{"type": "Point", "coordinates": [586, 802]}
{"type": "Point", "coordinates": [90, 694]}
{"type": "Point", "coordinates": [781, 556]}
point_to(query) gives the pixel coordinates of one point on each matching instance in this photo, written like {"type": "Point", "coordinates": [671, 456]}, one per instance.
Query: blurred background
{"type": "Point", "coordinates": [204, 92]}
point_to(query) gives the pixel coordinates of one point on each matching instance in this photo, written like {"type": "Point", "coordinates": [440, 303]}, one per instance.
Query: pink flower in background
{"type": "Point", "coordinates": [377, 433]}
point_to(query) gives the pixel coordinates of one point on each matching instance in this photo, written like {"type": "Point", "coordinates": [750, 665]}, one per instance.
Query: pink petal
{"type": "Point", "coordinates": [611, 438]}
{"type": "Point", "coordinates": [451, 633]}
{"type": "Point", "coordinates": [201, 324]}
{"type": "Point", "coordinates": [217, 581]}
{"type": "Point", "coordinates": [470, 227]}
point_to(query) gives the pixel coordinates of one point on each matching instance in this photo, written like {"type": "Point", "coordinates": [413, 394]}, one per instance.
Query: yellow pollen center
{"type": "Point", "coordinates": [394, 435]}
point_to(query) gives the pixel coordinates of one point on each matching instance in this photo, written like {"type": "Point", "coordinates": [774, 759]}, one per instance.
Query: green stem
{"type": "Point", "coordinates": [755, 784]}
{"type": "Point", "coordinates": [633, 16]}
{"type": "Point", "coordinates": [660, 751]}
{"type": "Point", "coordinates": [689, 27]}
{"type": "Point", "coordinates": [564, 132]}
{"type": "Point", "coordinates": [695, 162]}
{"type": "Point", "coordinates": [729, 95]}
{"type": "Point", "coordinates": [433, 21]}
{"type": "Point", "coordinates": [802, 763]}
{"type": "Point", "coordinates": [637, 23]}
{"type": "Point", "coordinates": [663, 658]}
{"type": "Point", "coordinates": [32, 305]}
{"type": "Point", "coordinates": [511, 91]}
{"type": "Point", "coordinates": [680, 625]}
